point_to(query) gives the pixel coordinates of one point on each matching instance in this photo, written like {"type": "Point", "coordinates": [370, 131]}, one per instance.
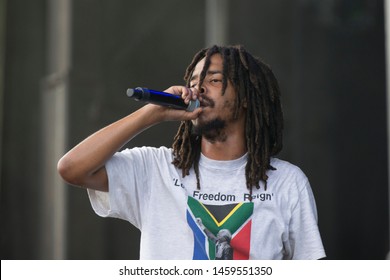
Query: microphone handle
{"type": "Point", "coordinates": [162, 98]}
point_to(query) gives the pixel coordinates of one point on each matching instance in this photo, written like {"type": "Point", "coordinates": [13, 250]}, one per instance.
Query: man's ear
{"type": "Point", "coordinates": [245, 104]}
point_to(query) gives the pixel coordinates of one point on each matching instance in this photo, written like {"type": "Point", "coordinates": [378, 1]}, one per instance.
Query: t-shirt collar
{"type": "Point", "coordinates": [223, 164]}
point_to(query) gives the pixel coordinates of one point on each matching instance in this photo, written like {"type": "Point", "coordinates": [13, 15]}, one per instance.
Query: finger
{"type": "Point", "coordinates": [176, 90]}
{"type": "Point", "coordinates": [195, 93]}
{"type": "Point", "coordinates": [193, 115]}
{"type": "Point", "coordinates": [186, 94]}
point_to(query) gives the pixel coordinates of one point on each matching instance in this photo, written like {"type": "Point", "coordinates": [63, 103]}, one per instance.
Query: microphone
{"type": "Point", "coordinates": [162, 98]}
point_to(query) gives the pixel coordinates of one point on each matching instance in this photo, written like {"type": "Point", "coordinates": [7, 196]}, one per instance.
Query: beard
{"type": "Point", "coordinates": [212, 130]}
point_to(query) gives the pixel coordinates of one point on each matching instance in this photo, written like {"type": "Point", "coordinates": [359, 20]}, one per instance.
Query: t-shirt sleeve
{"type": "Point", "coordinates": [305, 239]}
{"type": "Point", "coordinates": [128, 192]}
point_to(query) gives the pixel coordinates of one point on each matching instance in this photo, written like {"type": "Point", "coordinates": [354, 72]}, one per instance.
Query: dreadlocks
{"type": "Point", "coordinates": [256, 86]}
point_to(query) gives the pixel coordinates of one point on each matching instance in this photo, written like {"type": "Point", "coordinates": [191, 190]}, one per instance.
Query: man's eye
{"type": "Point", "coordinates": [215, 81]}
{"type": "Point", "coordinates": [192, 86]}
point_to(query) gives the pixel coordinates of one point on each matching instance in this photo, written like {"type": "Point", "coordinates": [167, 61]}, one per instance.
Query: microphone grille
{"type": "Point", "coordinates": [192, 105]}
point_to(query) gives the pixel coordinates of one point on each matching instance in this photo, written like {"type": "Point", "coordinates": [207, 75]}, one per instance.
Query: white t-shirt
{"type": "Point", "coordinates": [178, 221]}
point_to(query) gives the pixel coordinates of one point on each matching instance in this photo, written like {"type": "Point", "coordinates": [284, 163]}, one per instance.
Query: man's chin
{"type": "Point", "coordinates": [210, 129]}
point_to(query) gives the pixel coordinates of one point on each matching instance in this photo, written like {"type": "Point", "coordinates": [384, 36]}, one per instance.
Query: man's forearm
{"type": "Point", "coordinates": [82, 163]}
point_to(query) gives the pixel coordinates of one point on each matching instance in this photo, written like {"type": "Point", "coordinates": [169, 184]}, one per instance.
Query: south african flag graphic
{"type": "Point", "coordinates": [220, 231]}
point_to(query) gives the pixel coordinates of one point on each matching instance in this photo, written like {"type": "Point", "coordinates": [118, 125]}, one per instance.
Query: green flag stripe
{"type": "Point", "coordinates": [233, 223]}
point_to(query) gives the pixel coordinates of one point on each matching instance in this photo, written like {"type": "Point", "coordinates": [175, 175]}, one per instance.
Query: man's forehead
{"type": "Point", "coordinates": [216, 66]}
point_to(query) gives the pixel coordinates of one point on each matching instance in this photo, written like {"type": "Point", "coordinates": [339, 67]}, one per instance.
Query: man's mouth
{"type": "Point", "coordinates": [206, 103]}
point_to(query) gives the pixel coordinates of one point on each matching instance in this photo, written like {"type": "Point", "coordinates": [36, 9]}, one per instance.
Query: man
{"type": "Point", "coordinates": [223, 249]}
{"type": "Point", "coordinates": [221, 169]}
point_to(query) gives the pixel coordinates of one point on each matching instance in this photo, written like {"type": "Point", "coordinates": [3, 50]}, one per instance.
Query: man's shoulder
{"type": "Point", "coordinates": [287, 168]}
{"type": "Point", "coordinates": [282, 163]}
{"type": "Point", "coordinates": [144, 154]}
{"type": "Point", "coordinates": [149, 150]}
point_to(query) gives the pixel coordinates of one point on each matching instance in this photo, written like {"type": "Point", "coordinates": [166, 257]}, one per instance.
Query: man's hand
{"type": "Point", "coordinates": [169, 114]}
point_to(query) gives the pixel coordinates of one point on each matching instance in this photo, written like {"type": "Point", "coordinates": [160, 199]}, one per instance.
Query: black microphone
{"type": "Point", "coordinates": [162, 98]}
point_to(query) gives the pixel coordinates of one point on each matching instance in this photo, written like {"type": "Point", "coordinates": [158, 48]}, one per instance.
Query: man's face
{"type": "Point", "coordinates": [218, 109]}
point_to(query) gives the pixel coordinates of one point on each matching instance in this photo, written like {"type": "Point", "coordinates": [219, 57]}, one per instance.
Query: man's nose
{"type": "Point", "coordinates": [201, 90]}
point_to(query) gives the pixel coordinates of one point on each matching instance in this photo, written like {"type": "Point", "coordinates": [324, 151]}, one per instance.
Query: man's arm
{"type": "Point", "coordinates": [84, 165]}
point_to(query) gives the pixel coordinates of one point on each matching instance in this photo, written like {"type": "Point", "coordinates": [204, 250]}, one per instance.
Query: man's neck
{"type": "Point", "coordinates": [232, 147]}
